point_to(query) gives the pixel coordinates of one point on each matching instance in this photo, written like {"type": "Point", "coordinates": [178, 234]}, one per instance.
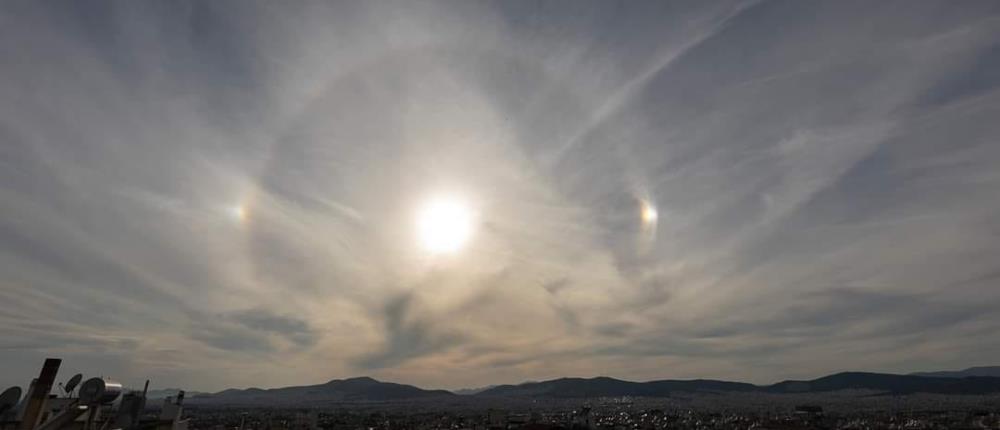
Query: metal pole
{"type": "Point", "coordinates": [40, 393]}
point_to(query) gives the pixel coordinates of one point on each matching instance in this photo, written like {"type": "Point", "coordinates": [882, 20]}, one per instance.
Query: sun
{"type": "Point", "coordinates": [444, 225]}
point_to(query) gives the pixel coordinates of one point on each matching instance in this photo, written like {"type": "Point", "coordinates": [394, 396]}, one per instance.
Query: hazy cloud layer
{"type": "Point", "coordinates": [223, 194]}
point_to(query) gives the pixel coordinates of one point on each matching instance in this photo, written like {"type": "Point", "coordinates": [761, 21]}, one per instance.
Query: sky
{"type": "Point", "coordinates": [233, 194]}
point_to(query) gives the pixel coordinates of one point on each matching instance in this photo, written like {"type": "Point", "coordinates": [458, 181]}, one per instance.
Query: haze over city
{"type": "Point", "coordinates": [456, 194]}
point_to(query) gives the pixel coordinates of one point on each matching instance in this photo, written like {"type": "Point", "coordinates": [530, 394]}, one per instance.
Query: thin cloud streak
{"type": "Point", "coordinates": [824, 176]}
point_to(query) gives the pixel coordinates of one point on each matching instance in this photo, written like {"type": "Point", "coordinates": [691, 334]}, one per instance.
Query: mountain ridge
{"type": "Point", "coordinates": [358, 389]}
{"type": "Point", "coordinates": [881, 382]}
{"type": "Point", "coordinates": [971, 371]}
{"type": "Point", "coordinates": [367, 389]}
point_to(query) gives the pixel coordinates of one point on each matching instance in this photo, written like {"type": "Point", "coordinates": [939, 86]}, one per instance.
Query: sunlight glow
{"type": "Point", "coordinates": [238, 213]}
{"type": "Point", "coordinates": [648, 213]}
{"type": "Point", "coordinates": [444, 225]}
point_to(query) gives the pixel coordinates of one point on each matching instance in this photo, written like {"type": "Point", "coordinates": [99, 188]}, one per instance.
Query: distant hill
{"type": "Point", "coordinates": [366, 389]}
{"type": "Point", "coordinates": [168, 392]}
{"type": "Point", "coordinates": [993, 371]}
{"type": "Point", "coordinates": [471, 391]}
{"type": "Point", "coordinates": [610, 387]}
{"type": "Point", "coordinates": [362, 389]}
{"type": "Point", "coordinates": [886, 383]}
{"type": "Point", "coordinates": [896, 384]}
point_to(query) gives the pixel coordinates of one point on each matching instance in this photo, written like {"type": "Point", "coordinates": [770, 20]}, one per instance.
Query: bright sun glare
{"type": "Point", "coordinates": [444, 225]}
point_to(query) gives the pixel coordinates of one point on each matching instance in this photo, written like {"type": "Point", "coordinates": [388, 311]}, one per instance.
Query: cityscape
{"type": "Point", "coordinates": [368, 404]}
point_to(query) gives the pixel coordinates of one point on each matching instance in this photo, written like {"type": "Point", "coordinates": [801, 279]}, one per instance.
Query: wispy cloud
{"type": "Point", "coordinates": [184, 184]}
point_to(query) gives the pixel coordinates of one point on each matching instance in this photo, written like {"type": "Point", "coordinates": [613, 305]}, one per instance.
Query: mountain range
{"type": "Point", "coordinates": [365, 389]}
{"type": "Point", "coordinates": [972, 371]}
{"type": "Point", "coordinates": [170, 392]}
{"type": "Point", "coordinates": [887, 383]}
{"type": "Point", "coordinates": [471, 391]}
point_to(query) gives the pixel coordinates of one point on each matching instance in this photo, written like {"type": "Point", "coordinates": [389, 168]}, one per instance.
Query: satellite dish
{"type": "Point", "coordinates": [9, 398]}
{"type": "Point", "coordinates": [72, 383]}
{"type": "Point", "coordinates": [98, 391]}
